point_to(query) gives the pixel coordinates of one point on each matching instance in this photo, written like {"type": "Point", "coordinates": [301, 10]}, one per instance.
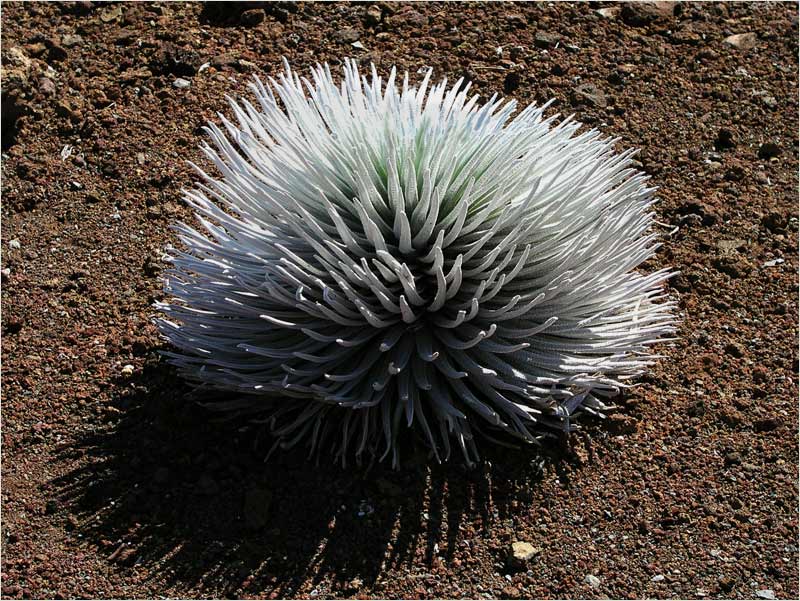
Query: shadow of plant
{"type": "Point", "coordinates": [191, 500]}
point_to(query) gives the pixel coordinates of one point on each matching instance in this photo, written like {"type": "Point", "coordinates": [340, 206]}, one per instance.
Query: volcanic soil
{"type": "Point", "coordinates": [116, 485]}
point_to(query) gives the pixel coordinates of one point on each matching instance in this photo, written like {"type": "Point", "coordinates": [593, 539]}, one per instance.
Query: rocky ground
{"type": "Point", "coordinates": [114, 485]}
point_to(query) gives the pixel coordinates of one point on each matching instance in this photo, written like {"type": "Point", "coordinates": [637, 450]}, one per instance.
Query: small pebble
{"type": "Point", "coordinates": [608, 13]}
{"type": "Point", "coordinates": [14, 244]}
{"type": "Point", "coordinates": [70, 40]}
{"type": "Point", "coordinates": [522, 551]}
{"type": "Point", "coordinates": [742, 41]}
{"type": "Point", "coordinates": [127, 370]}
{"type": "Point", "coordinates": [347, 35]}
{"type": "Point", "coordinates": [592, 580]}
{"type": "Point", "coordinates": [46, 86]}
{"type": "Point", "coordinates": [765, 594]}
{"type": "Point", "coordinates": [733, 458]}
{"type": "Point", "coordinates": [181, 83]}
{"type": "Point", "coordinates": [589, 94]}
{"type": "Point", "coordinates": [373, 16]}
{"type": "Point", "coordinates": [769, 102]}
{"type": "Point", "coordinates": [545, 39]}
{"type": "Point", "coordinates": [657, 578]}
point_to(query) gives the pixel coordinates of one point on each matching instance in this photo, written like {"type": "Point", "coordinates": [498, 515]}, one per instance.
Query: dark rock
{"type": "Point", "coordinates": [257, 503]}
{"type": "Point", "coordinates": [388, 488]}
{"type": "Point", "coordinates": [768, 150]}
{"type": "Point", "coordinates": [735, 349]}
{"type": "Point", "coordinates": [516, 52]}
{"type": "Point", "coordinates": [517, 20]}
{"type": "Point", "coordinates": [775, 222]}
{"type": "Point", "coordinates": [152, 265]}
{"type": "Point", "coordinates": [281, 14]}
{"type": "Point", "coordinates": [733, 458]}
{"type": "Point", "coordinates": [725, 139]}
{"type": "Point", "coordinates": [253, 17]}
{"type": "Point", "coordinates": [56, 54]}
{"type": "Point", "coordinates": [79, 274]}
{"type": "Point", "coordinates": [726, 583]}
{"type": "Point", "coordinates": [760, 374]}
{"type": "Point", "coordinates": [767, 425]}
{"type": "Point", "coordinates": [707, 54]}
{"type": "Point", "coordinates": [511, 82]}
{"type": "Point", "coordinates": [615, 78]}
{"type": "Point", "coordinates": [643, 13]}
{"type": "Point", "coordinates": [589, 94]}
{"type": "Point", "coordinates": [64, 109]}
{"type": "Point", "coordinates": [680, 283]}
{"type": "Point", "coordinates": [161, 475]}
{"type": "Point", "coordinates": [206, 485]}
{"type": "Point", "coordinates": [51, 507]}
{"type": "Point", "coordinates": [697, 408]}
{"type": "Point", "coordinates": [13, 326]}
{"type": "Point", "coordinates": [110, 169]}
{"type": "Point", "coordinates": [735, 172]}
{"type": "Point", "coordinates": [82, 7]}
{"type": "Point", "coordinates": [124, 37]}
{"type": "Point", "coordinates": [247, 13]}
{"type": "Point", "coordinates": [174, 60]}
{"type": "Point", "coordinates": [733, 266]}
{"type": "Point", "coordinates": [545, 39]}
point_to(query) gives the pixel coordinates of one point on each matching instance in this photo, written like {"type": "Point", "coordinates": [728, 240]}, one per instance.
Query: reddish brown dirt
{"type": "Point", "coordinates": [114, 485]}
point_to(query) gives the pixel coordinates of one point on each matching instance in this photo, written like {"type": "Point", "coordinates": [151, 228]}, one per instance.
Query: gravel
{"type": "Point", "coordinates": [141, 470]}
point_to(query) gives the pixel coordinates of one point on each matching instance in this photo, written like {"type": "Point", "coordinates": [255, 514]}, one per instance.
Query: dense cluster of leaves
{"type": "Point", "coordinates": [416, 258]}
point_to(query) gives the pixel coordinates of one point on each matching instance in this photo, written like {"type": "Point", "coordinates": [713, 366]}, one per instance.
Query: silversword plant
{"type": "Point", "coordinates": [374, 256]}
